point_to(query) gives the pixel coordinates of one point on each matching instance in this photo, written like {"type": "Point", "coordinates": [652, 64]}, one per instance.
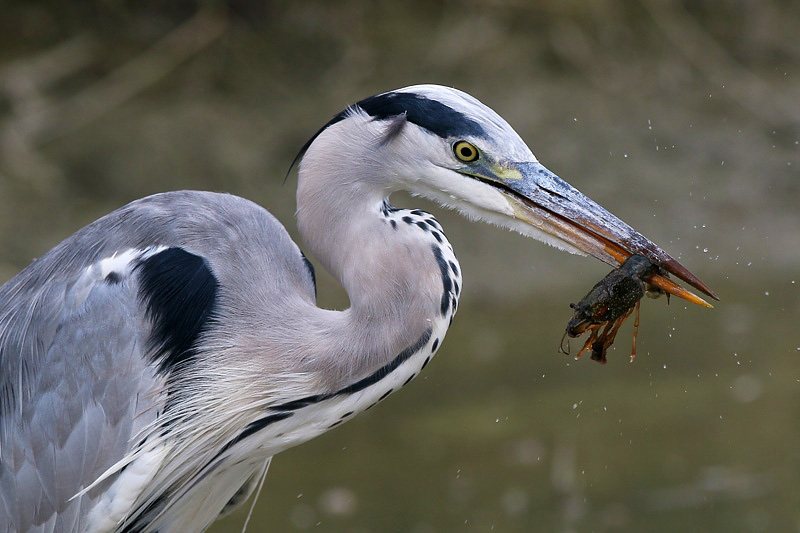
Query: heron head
{"type": "Point", "coordinates": [445, 145]}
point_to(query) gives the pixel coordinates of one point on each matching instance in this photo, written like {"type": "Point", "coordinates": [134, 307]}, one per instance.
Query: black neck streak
{"type": "Point", "coordinates": [361, 384]}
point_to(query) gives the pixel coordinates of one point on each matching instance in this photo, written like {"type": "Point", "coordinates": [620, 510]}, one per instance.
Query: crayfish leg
{"type": "Point", "coordinates": [599, 353]}
{"type": "Point", "coordinates": [614, 327]}
{"type": "Point", "coordinates": [608, 336]}
{"type": "Point", "coordinates": [635, 330]}
{"type": "Point", "coordinates": [595, 333]}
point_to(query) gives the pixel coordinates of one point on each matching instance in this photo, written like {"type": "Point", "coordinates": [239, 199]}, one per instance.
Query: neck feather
{"type": "Point", "coordinates": [394, 265]}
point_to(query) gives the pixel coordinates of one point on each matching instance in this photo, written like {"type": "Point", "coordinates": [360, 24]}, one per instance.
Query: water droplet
{"type": "Point", "coordinates": [338, 501]}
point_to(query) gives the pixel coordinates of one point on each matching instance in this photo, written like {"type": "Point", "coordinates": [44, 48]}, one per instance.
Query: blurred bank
{"type": "Point", "coordinates": [681, 118]}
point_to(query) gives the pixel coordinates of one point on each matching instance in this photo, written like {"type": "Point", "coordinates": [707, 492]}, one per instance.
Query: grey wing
{"type": "Point", "coordinates": [90, 333]}
{"type": "Point", "coordinates": [75, 394]}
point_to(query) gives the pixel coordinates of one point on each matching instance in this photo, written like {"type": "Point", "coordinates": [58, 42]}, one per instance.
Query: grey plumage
{"type": "Point", "coordinates": [76, 382]}
{"type": "Point", "coordinates": [153, 362]}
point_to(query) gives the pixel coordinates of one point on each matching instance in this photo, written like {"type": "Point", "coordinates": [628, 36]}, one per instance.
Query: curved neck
{"type": "Point", "coordinates": [389, 271]}
{"type": "Point", "coordinates": [385, 260]}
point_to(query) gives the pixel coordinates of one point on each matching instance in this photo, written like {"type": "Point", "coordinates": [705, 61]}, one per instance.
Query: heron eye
{"type": "Point", "coordinates": [465, 151]}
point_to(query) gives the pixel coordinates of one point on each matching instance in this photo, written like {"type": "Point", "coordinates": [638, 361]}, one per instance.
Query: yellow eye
{"type": "Point", "coordinates": [465, 151]}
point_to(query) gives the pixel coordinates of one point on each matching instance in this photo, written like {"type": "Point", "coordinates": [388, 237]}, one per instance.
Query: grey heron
{"type": "Point", "coordinates": [152, 363]}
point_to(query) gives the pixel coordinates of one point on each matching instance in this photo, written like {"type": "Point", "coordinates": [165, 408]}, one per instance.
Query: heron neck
{"type": "Point", "coordinates": [389, 270]}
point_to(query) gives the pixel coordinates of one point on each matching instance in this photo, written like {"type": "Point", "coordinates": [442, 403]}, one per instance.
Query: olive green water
{"type": "Point", "coordinates": [685, 123]}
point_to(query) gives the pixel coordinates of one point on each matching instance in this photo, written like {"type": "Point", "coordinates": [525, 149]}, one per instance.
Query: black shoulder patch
{"type": "Point", "coordinates": [179, 291]}
{"type": "Point", "coordinates": [434, 116]}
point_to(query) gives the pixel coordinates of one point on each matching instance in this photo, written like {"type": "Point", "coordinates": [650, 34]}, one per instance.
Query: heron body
{"type": "Point", "coordinates": [152, 363]}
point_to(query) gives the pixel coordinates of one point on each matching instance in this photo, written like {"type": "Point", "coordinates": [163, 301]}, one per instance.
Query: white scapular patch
{"type": "Point", "coordinates": [120, 263]}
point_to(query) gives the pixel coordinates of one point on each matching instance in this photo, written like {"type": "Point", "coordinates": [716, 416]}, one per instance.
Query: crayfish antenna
{"type": "Point", "coordinates": [564, 342]}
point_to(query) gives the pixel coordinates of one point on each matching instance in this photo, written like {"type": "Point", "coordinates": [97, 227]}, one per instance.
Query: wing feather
{"type": "Point", "coordinates": [76, 416]}
{"type": "Point", "coordinates": [79, 379]}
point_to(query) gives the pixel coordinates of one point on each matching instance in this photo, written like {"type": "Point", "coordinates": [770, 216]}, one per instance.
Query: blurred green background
{"type": "Point", "coordinates": [683, 118]}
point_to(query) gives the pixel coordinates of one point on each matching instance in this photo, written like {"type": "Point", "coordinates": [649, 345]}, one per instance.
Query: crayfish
{"type": "Point", "coordinates": [610, 302]}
